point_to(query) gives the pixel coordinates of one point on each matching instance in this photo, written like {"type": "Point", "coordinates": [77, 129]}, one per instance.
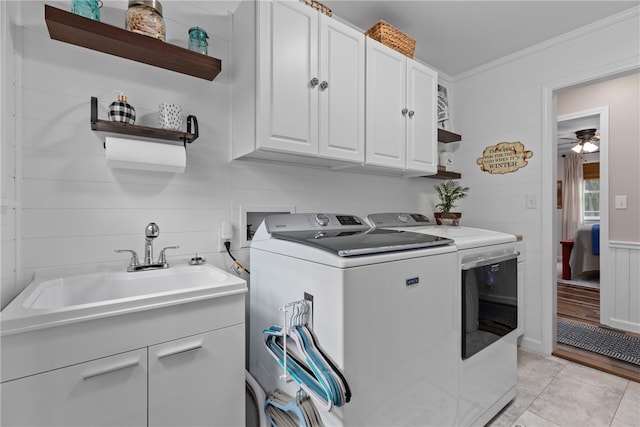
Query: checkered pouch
{"type": "Point", "coordinates": [123, 112]}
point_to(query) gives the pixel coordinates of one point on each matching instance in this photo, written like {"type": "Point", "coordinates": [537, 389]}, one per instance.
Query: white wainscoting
{"type": "Point", "coordinates": [621, 306]}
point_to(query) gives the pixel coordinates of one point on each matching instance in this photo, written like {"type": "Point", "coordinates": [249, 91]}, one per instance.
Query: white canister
{"type": "Point", "coordinates": [171, 116]}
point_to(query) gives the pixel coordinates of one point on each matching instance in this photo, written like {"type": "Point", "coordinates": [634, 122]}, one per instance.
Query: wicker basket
{"type": "Point", "coordinates": [318, 6]}
{"type": "Point", "coordinates": [392, 37]}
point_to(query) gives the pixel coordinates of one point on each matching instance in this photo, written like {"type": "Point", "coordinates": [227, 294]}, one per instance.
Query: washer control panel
{"type": "Point", "coordinates": [314, 221]}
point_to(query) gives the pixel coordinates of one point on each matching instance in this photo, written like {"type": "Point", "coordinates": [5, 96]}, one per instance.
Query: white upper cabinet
{"type": "Point", "coordinates": [304, 72]}
{"type": "Point", "coordinates": [288, 61]}
{"type": "Point", "coordinates": [401, 111]}
{"type": "Point", "coordinates": [342, 106]}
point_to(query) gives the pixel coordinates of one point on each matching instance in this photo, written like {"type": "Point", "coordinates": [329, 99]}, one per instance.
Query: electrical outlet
{"type": "Point", "coordinates": [221, 241]}
{"type": "Point", "coordinates": [225, 234]}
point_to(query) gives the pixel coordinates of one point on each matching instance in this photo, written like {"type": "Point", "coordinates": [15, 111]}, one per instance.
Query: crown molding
{"type": "Point", "coordinates": [632, 13]}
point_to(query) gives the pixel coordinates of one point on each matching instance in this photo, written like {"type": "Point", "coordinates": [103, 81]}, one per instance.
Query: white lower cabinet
{"type": "Point", "coordinates": [192, 381]}
{"type": "Point", "coordinates": [111, 391]}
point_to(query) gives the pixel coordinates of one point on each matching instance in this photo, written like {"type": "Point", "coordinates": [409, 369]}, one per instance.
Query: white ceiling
{"type": "Point", "coordinates": [456, 36]}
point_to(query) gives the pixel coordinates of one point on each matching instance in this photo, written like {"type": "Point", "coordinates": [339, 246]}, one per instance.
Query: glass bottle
{"type": "Point", "coordinates": [198, 40]}
{"type": "Point", "coordinates": [145, 17]}
{"type": "Point", "coordinates": [87, 8]}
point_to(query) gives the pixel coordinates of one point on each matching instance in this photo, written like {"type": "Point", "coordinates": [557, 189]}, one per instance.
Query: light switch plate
{"type": "Point", "coordinates": [621, 202]}
{"type": "Point", "coordinates": [532, 201]}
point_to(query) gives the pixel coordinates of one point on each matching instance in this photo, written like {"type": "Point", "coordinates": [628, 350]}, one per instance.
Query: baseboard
{"type": "Point", "coordinates": [624, 325]}
{"type": "Point", "coordinates": [531, 344]}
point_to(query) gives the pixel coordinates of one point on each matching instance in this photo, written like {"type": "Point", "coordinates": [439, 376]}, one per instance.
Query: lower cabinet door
{"type": "Point", "coordinates": [111, 391]}
{"type": "Point", "coordinates": [198, 380]}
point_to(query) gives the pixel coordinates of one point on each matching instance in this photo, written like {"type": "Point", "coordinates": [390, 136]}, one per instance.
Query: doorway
{"type": "Point", "coordinates": [581, 303]}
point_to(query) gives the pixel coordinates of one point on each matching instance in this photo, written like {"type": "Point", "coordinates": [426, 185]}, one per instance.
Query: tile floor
{"type": "Point", "coordinates": [555, 392]}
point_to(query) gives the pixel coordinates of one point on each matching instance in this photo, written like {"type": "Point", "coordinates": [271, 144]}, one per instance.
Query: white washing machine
{"type": "Point", "coordinates": [382, 310]}
{"type": "Point", "coordinates": [488, 309]}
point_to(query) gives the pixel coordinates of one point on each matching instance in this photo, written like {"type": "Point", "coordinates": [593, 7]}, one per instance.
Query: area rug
{"type": "Point", "coordinates": [602, 341]}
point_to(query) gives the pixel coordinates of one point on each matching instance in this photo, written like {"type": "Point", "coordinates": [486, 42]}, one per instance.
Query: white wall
{"type": "Point", "coordinates": [503, 101]}
{"type": "Point", "coordinates": [9, 198]}
{"type": "Point", "coordinates": [77, 211]}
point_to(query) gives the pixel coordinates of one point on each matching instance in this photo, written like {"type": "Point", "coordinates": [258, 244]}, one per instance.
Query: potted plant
{"type": "Point", "coordinates": [449, 192]}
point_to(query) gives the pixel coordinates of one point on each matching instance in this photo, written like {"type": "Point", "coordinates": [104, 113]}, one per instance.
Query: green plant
{"type": "Point", "coordinates": [449, 192]}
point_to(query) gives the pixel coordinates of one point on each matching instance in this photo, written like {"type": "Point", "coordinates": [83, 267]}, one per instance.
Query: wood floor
{"type": "Point", "coordinates": [582, 304]}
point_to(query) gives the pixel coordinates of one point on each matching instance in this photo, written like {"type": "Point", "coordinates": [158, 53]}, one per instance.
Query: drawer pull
{"type": "Point", "coordinates": [178, 351]}
{"type": "Point", "coordinates": [112, 368]}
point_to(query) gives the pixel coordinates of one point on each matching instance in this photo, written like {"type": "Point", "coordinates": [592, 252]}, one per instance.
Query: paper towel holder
{"type": "Point", "coordinates": [145, 131]}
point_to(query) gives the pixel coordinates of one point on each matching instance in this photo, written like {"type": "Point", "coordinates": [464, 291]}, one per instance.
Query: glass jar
{"type": "Point", "coordinates": [87, 8]}
{"type": "Point", "coordinates": [145, 17]}
{"type": "Point", "coordinates": [198, 40]}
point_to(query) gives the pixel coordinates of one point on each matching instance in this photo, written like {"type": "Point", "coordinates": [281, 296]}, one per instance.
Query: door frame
{"type": "Point", "coordinates": [548, 181]}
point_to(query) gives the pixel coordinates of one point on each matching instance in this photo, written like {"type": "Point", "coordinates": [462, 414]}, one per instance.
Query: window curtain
{"type": "Point", "coordinates": [572, 197]}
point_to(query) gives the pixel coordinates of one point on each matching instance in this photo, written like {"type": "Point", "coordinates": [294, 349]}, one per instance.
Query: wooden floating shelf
{"type": "Point", "coordinates": [80, 31]}
{"type": "Point", "coordinates": [445, 174]}
{"type": "Point", "coordinates": [136, 130]}
{"type": "Point", "coordinates": [447, 136]}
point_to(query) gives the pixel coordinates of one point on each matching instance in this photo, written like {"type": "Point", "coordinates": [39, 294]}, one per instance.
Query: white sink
{"type": "Point", "coordinates": [62, 300]}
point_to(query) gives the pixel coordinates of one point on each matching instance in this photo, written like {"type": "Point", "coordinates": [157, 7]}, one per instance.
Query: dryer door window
{"type": "Point", "coordinates": [489, 303]}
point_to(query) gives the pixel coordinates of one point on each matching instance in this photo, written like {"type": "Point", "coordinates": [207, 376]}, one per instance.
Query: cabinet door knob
{"type": "Point", "coordinates": [411, 113]}
{"type": "Point", "coordinates": [404, 111]}
{"type": "Point", "coordinates": [324, 85]}
{"type": "Point", "coordinates": [314, 82]}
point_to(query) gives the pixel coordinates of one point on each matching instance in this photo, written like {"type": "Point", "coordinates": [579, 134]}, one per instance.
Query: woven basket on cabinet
{"type": "Point", "coordinates": [392, 37]}
{"type": "Point", "coordinates": [318, 6]}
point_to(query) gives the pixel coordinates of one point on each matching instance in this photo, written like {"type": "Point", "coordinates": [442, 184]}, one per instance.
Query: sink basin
{"type": "Point", "coordinates": [61, 300]}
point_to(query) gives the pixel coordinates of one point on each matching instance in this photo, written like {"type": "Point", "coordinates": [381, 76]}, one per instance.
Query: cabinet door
{"type": "Point", "coordinates": [111, 391]}
{"type": "Point", "coordinates": [287, 116]}
{"type": "Point", "coordinates": [199, 380]}
{"type": "Point", "coordinates": [386, 99]}
{"type": "Point", "coordinates": [342, 100]}
{"type": "Point", "coordinates": [422, 91]}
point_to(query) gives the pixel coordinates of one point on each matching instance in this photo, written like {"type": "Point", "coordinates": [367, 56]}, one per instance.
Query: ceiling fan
{"type": "Point", "coordinates": [584, 141]}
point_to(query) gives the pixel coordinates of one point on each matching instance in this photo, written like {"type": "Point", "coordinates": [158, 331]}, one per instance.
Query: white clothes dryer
{"type": "Point", "coordinates": [382, 304]}
{"type": "Point", "coordinates": [488, 311]}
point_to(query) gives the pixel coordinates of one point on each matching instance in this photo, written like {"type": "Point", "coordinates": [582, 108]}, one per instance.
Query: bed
{"type": "Point", "coordinates": [585, 253]}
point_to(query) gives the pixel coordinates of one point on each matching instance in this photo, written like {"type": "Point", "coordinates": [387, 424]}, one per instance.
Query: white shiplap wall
{"type": "Point", "coordinates": [77, 211]}
{"type": "Point", "coordinates": [503, 101]}
{"type": "Point", "coordinates": [9, 201]}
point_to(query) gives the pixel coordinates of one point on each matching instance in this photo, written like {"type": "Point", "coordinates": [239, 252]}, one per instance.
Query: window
{"type": "Point", "coordinates": [591, 191]}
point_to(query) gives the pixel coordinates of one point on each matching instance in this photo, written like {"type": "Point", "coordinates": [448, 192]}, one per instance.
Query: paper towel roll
{"type": "Point", "coordinates": [143, 155]}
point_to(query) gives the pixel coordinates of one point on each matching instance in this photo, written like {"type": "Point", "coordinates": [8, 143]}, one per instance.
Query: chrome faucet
{"type": "Point", "coordinates": [150, 232]}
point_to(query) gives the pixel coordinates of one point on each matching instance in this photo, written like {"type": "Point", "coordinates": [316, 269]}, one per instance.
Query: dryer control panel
{"type": "Point", "coordinates": [397, 219]}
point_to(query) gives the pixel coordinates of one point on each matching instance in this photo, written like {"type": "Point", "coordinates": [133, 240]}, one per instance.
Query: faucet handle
{"type": "Point", "coordinates": [134, 258]}
{"type": "Point", "coordinates": [162, 259]}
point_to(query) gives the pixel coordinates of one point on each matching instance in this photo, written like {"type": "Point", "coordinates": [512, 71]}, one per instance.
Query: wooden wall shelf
{"type": "Point", "coordinates": [444, 174]}
{"type": "Point", "coordinates": [447, 136]}
{"type": "Point", "coordinates": [136, 130]}
{"type": "Point", "coordinates": [80, 31]}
